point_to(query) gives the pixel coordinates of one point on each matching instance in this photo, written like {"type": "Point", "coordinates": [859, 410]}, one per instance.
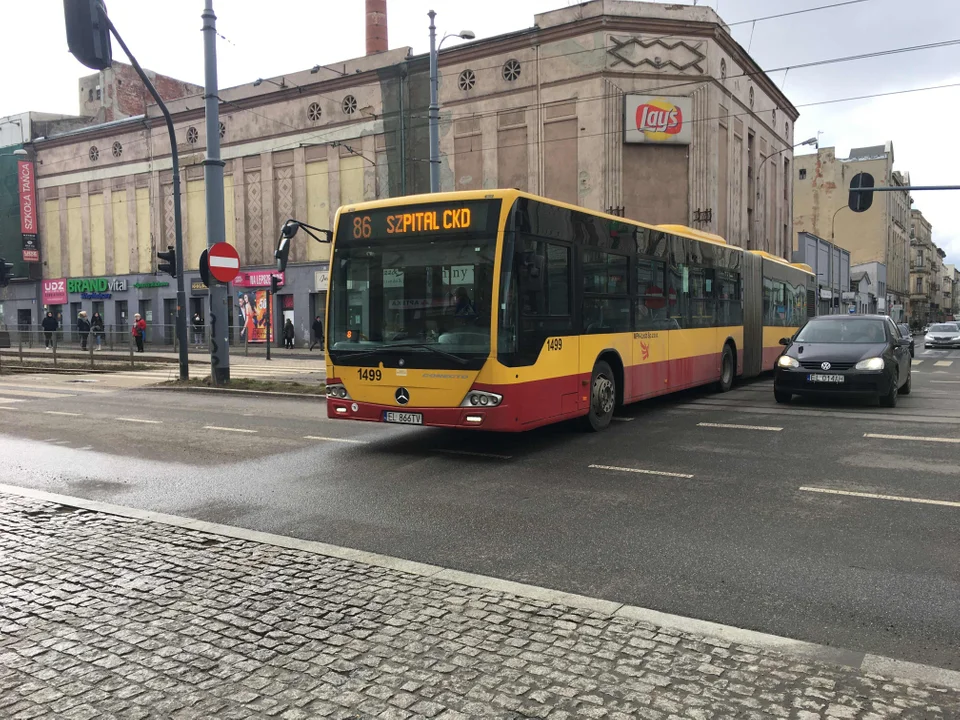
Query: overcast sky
{"type": "Point", "coordinates": [264, 39]}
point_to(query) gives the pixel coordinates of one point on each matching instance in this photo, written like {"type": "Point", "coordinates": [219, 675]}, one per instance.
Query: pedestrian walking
{"type": "Point", "coordinates": [317, 333]}
{"type": "Point", "coordinates": [197, 330]}
{"type": "Point", "coordinates": [49, 326]}
{"type": "Point", "coordinates": [83, 327]}
{"type": "Point", "coordinates": [288, 334]}
{"type": "Point", "coordinates": [139, 330]}
{"type": "Point", "coordinates": [97, 326]}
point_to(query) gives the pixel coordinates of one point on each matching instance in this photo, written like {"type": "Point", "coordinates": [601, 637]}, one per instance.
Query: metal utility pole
{"type": "Point", "coordinates": [213, 183]}
{"type": "Point", "coordinates": [177, 220]}
{"type": "Point", "coordinates": [434, 110]}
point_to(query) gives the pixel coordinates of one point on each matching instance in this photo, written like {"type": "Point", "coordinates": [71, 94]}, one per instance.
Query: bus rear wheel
{"type": "Point", "coordinates": [726, 369]}
{"type": "Point", "coordinates": [603, 397]}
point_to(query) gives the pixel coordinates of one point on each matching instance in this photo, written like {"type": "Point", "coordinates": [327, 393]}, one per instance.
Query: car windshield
{"type": "Point", "coordinates": [843, 331]}
{"type": "Point", "coordinates": [945, 328]}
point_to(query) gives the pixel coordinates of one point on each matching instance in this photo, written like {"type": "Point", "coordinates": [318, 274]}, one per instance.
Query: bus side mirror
{"type": "Point", "coordinates": [784, 341]}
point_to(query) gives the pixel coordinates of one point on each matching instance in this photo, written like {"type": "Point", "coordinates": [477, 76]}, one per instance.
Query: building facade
{"type": "Point", "coordinates": [642, 109]}
{"type": "Point", "coordinates": [925, 271]}
{"type": "Point", "coordinates": [871, 298]}
{"type": "Point", "coordinates": [831, 265]}
{"type": "Point", "coordinates": [881, 234]}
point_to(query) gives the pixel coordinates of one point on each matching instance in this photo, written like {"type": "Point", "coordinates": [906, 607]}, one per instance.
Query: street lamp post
{"type": "Point", "coordinates": [434, 99]}
{"type": "Point", "coordinates": [808, 141]}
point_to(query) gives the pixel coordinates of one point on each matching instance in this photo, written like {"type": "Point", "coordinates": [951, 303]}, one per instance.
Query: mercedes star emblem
{"type": "Point", "coordinates": [402, 396]}
{"type": "Point", "coordinates": [825, 366]}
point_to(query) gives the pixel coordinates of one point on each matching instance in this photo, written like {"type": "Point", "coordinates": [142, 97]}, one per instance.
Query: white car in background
{"type": "Point", "coordinates": [942, 335]}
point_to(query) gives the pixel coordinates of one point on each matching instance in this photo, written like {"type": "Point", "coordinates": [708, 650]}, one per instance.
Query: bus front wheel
{"type": "Point", "coordinates": [603, 397]}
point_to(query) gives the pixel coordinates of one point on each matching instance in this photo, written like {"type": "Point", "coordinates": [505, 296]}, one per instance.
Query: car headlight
{"type": "Point", "coordinates": [785, 361]}
{"type": "Point", "coordinates": [927, 338]}
{"type": "Point", "coordinates": [870, 364]}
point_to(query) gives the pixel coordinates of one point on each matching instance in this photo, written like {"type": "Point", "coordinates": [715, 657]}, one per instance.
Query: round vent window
{"type": "Point", "coordinates": [511, 70]}
{"type": "Point", "coordinates": [94, 154]}
{"type": "Point", "coordinates": [723, 69]}
{"type": "Point", "coordinates": [468, 78]}
{"type": "Point", "coordinates": [751, 97]}
{"type": "Point", "coordinates": [314, 112]}
{"type": "Point", "coordinates": [193, 135]}
{"type": "Point", "coordinates": [349, 105]}
{"type": "Point", "coordinates": [223, 130]}
{"type": "Point", "coordinates": [117, 149]}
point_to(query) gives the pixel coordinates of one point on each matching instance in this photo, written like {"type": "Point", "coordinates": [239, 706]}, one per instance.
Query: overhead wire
{"type": "Point", "coordinates": [590, 135]}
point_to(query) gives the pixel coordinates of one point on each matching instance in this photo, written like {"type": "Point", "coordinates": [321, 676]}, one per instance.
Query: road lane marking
{"type": "Point", "coordinates": [623, 419]}
{"type": "Point", "coordinates": [35, 393]}
{"type": "Point", "coordinates": [86, 447]}
{"type": "Point", "coordinates": [138, 420]}
{"type": "Point", "coordinates": [2, 407]}
{"type": "Point", "coordinates": [472, 454]}
{"type": "Point", "coordinates": [875, 496]}
{"type": "Point", "coordinates": [878, 436]}
{"type": "Point", "coordinates": [226, 429]}
{"type": "Point", "coordinates": [57, 412]}
{"type": "Point", "coordinates": [638, 470]}
{"type": "Point", "coordinates": [740, 427]}
{"type": "Point", "coordinates": [333, 439]}
{"type": "Point", "coordinates": [943, 363]}
{"type": "Point", "coordinates": [947, 382]}
{"type": "Point", "coordinates": [916, 362]}
{"type": "Point", "coordinates": [11, 400]}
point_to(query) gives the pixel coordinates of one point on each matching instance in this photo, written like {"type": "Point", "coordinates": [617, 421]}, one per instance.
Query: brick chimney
{"type": "Point", "coordinates": [376, 26]}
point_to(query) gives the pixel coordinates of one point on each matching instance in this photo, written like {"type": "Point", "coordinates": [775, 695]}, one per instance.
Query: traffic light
{"type": "Point", "coordinates": [5, 275]}
{"type": "Point", "coordinates": [861, 192]}
{"type": "Point", "coordinates": [170, 266]}
{"type": "Point", "coordinates": [274, 284]}
{"type": "Point", "coordinates": [88, 32]}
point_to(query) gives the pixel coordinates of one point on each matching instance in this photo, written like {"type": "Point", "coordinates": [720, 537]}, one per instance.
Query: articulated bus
{"type": "Point", "coordinates": [500, 310]}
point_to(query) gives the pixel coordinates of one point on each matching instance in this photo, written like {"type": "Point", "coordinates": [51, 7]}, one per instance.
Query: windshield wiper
{"type": "Point", "coordinates": [354, 354]}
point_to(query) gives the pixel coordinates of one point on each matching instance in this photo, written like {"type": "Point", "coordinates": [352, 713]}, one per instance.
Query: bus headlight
{"type": "Point", "coordinates": [785, 361]}
{"type": "Point", "coordinates": [480, 398]}
{"type": "Point", "coordinates": [337, 391]}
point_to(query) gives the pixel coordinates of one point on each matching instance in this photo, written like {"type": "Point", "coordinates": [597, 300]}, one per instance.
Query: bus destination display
{"type": "Point", "coordinates": [417, 220]}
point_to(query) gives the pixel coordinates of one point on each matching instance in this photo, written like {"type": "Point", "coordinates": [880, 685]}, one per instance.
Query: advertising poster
{"type": "Point", "coordinates": [253, 314]}
{"type": "Point", "coordinates": [28, 211]}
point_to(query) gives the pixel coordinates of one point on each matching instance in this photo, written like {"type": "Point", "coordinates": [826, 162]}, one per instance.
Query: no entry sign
{"type": "Point", "coordinates": [224, 262]}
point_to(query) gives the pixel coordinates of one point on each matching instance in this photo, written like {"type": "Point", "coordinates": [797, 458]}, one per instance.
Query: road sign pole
{"type": "Point", "coordinates": [213, 181]}
{"type": "Point", "coordinates": [269, 320]}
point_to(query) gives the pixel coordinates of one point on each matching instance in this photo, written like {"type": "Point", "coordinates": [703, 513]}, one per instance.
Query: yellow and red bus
{"type": "Point", "coordinates": [501, 310]}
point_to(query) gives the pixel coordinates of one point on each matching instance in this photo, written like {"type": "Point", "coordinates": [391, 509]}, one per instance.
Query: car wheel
{"type": "Point", "coordinates": [603, 397]}
{"type": "Point", "coordinates": [908, 385]}
{"type": "Point", "coordinates": [726, 370]}
{"type": "Point", "coordinates": [890, 399]}
{"type": "Point", "coordinates": [782, 396]}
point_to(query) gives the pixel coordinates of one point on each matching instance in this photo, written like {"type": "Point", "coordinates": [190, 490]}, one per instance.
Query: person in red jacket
{"type": "Point", "coordinates": [139, 329]}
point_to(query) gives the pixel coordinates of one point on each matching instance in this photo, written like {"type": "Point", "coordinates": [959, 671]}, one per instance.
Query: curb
{"type": "Point", "coordinates": [230, 391]}
{"type": "Point", "coordinates": [863, 662]}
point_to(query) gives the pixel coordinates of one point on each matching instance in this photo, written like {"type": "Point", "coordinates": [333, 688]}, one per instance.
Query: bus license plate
{"type": "Point", "coordinates": [403, 418]}
{"type": "Point", "coordinates": [825, 378]}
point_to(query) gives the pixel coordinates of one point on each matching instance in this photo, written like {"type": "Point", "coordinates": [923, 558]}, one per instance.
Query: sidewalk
{"type": "Point", "coordinates": [167, 355]}
{"type": "Point", "coordinates": [118, 617]}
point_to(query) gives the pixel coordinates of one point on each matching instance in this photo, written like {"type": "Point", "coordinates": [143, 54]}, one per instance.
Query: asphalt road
{"type": "Point", "coordinates": [717, 525]}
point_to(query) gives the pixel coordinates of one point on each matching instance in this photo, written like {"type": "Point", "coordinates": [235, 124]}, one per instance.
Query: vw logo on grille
{"type": "Point", "coordinates": [825, 366]}
{"type": "Point", "coordinates": [402, 396]}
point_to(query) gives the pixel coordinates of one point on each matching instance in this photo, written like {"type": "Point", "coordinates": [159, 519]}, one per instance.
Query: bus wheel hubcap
{"type": "Point", "coordinates": [603, 395]}
{"type": "Point", "coordinates": [727, 368]}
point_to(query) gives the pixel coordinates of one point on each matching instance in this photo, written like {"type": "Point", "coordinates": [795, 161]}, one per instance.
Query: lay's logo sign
{"type": "Point", "coordinates": [649, 119]}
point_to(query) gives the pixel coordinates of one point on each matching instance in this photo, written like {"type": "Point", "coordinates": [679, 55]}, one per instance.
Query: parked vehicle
{"type": "Point", "coordinates": [907, 333]}
{"type": "Point", "coordinates": [845, 355]}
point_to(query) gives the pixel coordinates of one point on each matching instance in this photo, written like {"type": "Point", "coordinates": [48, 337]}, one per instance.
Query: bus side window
{"type": "Point", "coordinates": [544, 281]}
{"type": "Point", "coordinates": [651, 302]}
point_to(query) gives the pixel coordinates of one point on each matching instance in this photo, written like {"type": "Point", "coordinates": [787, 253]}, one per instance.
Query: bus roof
{"type": "Point", "coordinates": [692, 233]}
{"type": "Point", "coordinates": [774, 258]}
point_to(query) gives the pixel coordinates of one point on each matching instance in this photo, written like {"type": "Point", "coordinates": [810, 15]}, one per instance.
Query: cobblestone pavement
{"type": "Point", "coordinates": [104, 617]}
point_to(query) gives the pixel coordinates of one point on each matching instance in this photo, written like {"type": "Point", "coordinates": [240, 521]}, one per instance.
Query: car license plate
{"type": "Point", "coordinates": [815, 377]}
{"type": "Point", "coordinates": [403, 418]}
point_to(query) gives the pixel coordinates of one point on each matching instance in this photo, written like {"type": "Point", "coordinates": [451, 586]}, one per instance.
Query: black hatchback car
{"type": "Point", "coordinates": [845, 355]}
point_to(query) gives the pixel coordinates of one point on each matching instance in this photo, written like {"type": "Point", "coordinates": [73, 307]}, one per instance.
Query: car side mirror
{"type": "Point", "coordinates": [785, 341]}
